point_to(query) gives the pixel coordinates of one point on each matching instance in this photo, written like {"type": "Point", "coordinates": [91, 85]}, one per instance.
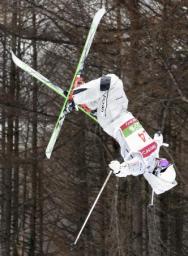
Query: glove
{"type": "Point", "coordinates": [115, 166]}
{"type": "Point", "coordinates": [120, 170]}
{"type": "Point", "coordinates": [158, 137]}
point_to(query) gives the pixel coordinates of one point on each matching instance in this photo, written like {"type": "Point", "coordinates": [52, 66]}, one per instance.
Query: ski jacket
{"type": "Point", "coordinates": [106, 95]}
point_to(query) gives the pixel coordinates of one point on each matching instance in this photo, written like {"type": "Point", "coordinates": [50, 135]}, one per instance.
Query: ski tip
{"type": "Point", "coordinates": [14, 58]}
{"type": "Point", "coordinates": [48, 154]}
{"type": "Point", "coordinates": [102, 10]}
{"type": "Point", "coordinates": [12, 54]}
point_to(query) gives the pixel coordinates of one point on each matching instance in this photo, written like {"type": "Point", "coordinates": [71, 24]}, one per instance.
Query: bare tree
{"type": "Point", "coordinates": [43, 203]}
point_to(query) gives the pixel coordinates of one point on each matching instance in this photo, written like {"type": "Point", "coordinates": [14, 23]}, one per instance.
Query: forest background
{"type": "Point", "coordinates": [43, 202]}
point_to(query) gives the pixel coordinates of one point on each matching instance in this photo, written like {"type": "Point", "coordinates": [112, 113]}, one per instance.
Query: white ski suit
{"type": "Point", "coordinates": [106, 95]}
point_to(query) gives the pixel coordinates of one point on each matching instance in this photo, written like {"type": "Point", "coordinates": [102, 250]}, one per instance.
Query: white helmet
{"type": "Point", "coordinates": [165, 170]}
{"type": "Point", "coordinates": [168, 174]}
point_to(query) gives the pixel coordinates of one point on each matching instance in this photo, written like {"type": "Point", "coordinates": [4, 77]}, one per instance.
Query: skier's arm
{"type": "Point", "coordinates": [158, 138]}
{"type": "Point", "coordinates": [133, 167]}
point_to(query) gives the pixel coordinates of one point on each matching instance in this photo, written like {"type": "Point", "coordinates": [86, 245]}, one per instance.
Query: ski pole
{"type": "Point", "coordinates": [152, 198]}
{"type": "Point", "coordinates": [93, 206]}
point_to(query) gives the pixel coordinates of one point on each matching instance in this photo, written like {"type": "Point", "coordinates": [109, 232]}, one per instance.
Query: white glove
{"type": "Point", "coordinates": [120, 170]}
{"type": "Point", "coordinates": [115, 166]}
{"type": "Point", "coordinates": [158, 137]}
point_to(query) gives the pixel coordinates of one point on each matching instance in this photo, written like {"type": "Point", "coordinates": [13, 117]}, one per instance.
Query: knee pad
{"type": "Point", "coordinates": [105, 83]}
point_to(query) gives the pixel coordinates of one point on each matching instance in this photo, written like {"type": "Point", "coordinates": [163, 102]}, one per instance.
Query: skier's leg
{"type": "Point", "coordinates": [91, 91]}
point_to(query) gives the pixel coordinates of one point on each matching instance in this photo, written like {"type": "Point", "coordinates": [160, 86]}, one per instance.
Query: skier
{"type": "Point", "coordinates": [106, 97]}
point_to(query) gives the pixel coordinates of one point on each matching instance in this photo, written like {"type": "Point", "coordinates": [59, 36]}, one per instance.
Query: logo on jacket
{"type": "Point", "coordinates": [149, 149]}
{"type": "Point", "coordinates": [130, 126]}
{"type": "Point", "coordinates": [103, 104]}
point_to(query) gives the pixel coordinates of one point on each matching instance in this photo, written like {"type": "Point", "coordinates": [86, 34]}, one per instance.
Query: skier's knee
{"type": "Point", "coordinates": [105, 83]}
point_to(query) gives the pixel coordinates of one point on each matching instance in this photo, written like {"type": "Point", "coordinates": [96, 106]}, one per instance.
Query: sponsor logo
{"type": "Point", "coordinates": [149, 149]}
{"type": "Point", "coordinates": [128, 123]}
{"type": "Point", "coordinates": [103, 102]}
{"type": "Point", "coordinates": [130, 127]}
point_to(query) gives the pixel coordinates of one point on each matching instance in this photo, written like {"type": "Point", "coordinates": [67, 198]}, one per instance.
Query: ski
{"type": "Point", "coordinates": [45, 81]}
{"type": "Point", "coordinates": [37, 75]}
{"type": "Point", "coordinates": [98, 16]}
{"type": "Point", "coordinates": [96, 20]}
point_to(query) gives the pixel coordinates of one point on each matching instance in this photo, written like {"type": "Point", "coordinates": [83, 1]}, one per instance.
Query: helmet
{"type": "Point", "coordinates": [166, 170]}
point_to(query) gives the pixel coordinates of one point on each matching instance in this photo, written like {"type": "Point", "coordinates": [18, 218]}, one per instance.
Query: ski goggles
{"type": "Point", "coordinates": [163, 164]}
